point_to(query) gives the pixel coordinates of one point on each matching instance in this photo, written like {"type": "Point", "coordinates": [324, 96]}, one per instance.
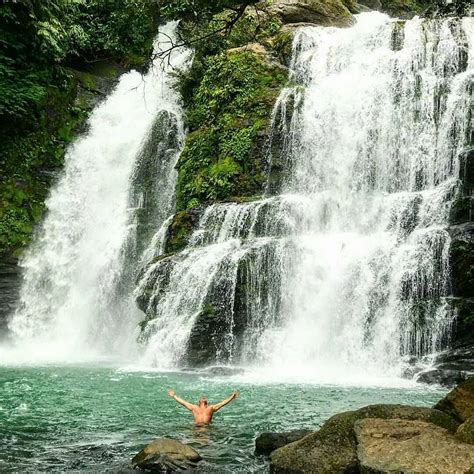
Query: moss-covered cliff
{"type": "Point", "coordinates": [57, 59]}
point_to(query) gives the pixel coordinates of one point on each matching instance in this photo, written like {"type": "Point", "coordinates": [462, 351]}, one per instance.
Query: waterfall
{"type": "Point", "coordinates": [343, 267]}
{"type": "Point", "coordinates": [117, 184]}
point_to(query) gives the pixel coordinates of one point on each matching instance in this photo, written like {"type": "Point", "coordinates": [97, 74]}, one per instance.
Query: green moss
{"type": "Point", "coordinates": [466, 431]}
{"type": "Point", "coordinates": [180, 231]}
{"type": "Point", "coordinates": [282, 44]}
{"type": "Point", "coordinates": [228, 114]}
{"type": "Point", "coordinates": [44, 100]}
{"type": "Point", "coordinates": [403, 8]}
{"type": "Point", "coordinates": [28, 159]}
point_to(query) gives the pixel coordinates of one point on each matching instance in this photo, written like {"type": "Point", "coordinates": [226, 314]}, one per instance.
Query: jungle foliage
{"type": "Point", "coordinates": [40, 41]}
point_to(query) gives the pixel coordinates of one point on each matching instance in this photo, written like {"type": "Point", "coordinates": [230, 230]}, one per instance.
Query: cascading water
{"type": "Point", "coordinates": [381, 115]}
{"type": "Point", "coordinates": [345, 271]}
{"type": "Point", "coordinates": [97, 223]}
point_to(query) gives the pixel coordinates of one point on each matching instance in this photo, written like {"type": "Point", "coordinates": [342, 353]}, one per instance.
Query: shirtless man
{"type": "Point", "coordinates": [202, 412]}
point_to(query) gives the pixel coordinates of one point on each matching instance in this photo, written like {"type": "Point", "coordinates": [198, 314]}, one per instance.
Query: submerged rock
{"type": "Point", "coordinates": [268, 442]}
{"type": "Point", "coordinates": [223, 371]}
{"type": "Point", "coordinates": [409, 446]}
{"type": "Point", "coordinates": [166, 455]}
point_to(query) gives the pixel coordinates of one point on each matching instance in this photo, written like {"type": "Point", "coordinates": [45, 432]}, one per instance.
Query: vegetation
{"type": "Point", "coordinates": [41, 41]}
{"type": "Point", "coordinates": [228, 113]}
{"type": "Point", "coordinates": [229, 94]}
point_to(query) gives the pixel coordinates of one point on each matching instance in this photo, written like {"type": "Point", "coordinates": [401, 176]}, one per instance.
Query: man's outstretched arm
{"type": "Point", "coordinates": [218, 406]}
{"type": "Point", "coordinates": [185, 404]}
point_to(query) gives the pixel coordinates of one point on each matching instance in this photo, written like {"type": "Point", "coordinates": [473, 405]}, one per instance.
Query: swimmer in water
{"type": "Point", "coordinates": [202, 412]}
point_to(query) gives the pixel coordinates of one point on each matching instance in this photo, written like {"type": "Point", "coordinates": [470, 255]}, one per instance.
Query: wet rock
{"type": "Point", "coordinates": [223, 371]}
{"type": "Point", "coordinates": [409, 446]}
{"type": "Point", "coordinates": [466, 431]}
{"type": "Point", "coordinates": [333, 448]}
{"type": "Point", "coordinates": [166, 455]}
{"type": "Point", "coordinates": [459, 403]}
{"type": "Point", "coordinates": [371, 4]}
{"type": "Point", "coordinates": [181, 228]}
{"type": "Point", "coordinates": [461, 259]}
{"type": "Point", "coordinates": [456, 364]}
{"type": "Point", "coordinates": [439, 8]}
{"type": "Point", "coordinates": [268, 442]}
{"type": "Point", "coordinates": [10, 282]}
{"type": "Point", "coordinates": [442, 376]}
{"type": "Point", "coordinates": [207, 337]}
{"type": "Point", "coordinates": [319, 12]}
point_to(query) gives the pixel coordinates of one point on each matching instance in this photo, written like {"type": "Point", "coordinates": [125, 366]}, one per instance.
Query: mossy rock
{"type": "Point", "coordinates": [404, 9]}
{"type": "Point", "coordinates": [459, 403]}
{"type": "Point", "coordinates": [282, 44]}
{"type": "Point", "coordinates": [180, 229]}
{"type": "Point", "coordinates": [465, 432]}
{"type": "Point", "coordinates": [224, 155]}
{"type": "Point", "coordinates": [166, 455]}
{"type": "Point", "coordinates": [333, 448]}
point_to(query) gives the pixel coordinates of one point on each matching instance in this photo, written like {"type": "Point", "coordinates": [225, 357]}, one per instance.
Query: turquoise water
{"type": "Point", "coordinates": [97, 418]}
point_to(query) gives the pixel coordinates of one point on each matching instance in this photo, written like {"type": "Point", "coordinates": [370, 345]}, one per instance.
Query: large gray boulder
{"type": "Point", "coordinates": [409, 446]}
{"type": "Point", "coordinates": [319, 12]}
{"type": "Point", "coordinates": [166, 455]}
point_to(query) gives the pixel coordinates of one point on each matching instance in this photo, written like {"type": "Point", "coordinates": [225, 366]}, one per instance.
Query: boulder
{"type": "Point", "coordinates": [166, 455]}
{"type": "Point", "coordinates": [330, 450]}
{"type": "Point", "coordinates": [268, 442]}
{"type": "Point", "coordinates": [318, 12]}
{"type": "Point", "coordinates": [443, 376]}
{"type": "Point", "coordinates": [333, 448]}
{"type": "Point", "coordinates": [409, 446]}
{"type": "Point", "coordinates": [465, 431]}
{"type": "Point", "coordinates": [371, 4]}
{"type": "Point", "coordinates": [459, 403]}
{"type": "Point", "coordinates": [223, 371]}
{"type": "Point", "coordinates": [461, 259]}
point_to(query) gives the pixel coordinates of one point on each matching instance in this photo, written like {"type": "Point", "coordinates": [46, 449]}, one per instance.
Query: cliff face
{"type": "Point", "coordinates": [229, 95]}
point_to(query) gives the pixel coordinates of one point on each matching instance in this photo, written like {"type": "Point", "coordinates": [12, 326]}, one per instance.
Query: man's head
{"type": "Point", "coordinates": [203, 401]}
